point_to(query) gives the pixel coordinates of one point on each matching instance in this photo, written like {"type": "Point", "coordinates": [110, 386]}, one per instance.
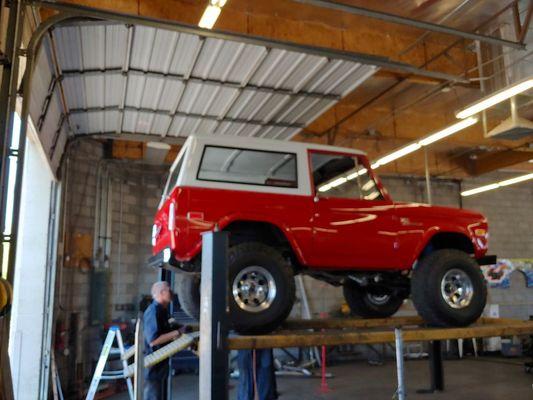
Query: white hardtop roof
{"type": "Point", "coordinates": [265, 144]}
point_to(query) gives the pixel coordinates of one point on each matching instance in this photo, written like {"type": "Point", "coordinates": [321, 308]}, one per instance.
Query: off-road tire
{"type": "Point", "coordinates": [257, 254]}
{"type": "Point", "coordinates": [361, 304]}
{"type": "Point", "coordinates": [188, 290]}
{"type": "Point", "coordinates": [426, 288]}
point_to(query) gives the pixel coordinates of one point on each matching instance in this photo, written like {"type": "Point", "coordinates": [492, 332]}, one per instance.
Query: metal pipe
{"type": "Point", "coordinates": [428, 179]}
{"type": "Point", "coordinates": [206, 81]}
{"type": "Point", "coordinates": [429, 26]}
{"type": "Point", "coordinates": [182, 114]}
{"type": "Point", "coordinates": [400, 392]}
{"type": "Point", "coordinates": [119, 250]}
{"type": "Point", "coordinates": [72, 11]}
{"type": "Point", "coordinates": [130, 136]}
{"type": "Point", "coordinates": [479, 60]}
{"type": "Point", "coordinates": [426, 34]}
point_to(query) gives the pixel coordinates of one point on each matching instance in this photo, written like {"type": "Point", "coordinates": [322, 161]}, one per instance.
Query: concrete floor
{"type": "Point", "coordinates": [472, 379]}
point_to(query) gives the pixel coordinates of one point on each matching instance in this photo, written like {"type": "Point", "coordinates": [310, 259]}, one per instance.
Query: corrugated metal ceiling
{"type": "Point", "coordinates": [136, 79]}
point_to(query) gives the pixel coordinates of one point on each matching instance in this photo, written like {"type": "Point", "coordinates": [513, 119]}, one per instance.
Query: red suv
{"type": "Point", "coordinates": [299, 208]}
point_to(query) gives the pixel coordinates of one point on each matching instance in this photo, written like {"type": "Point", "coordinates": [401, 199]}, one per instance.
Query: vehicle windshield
{"type": "Point", "coordinates": [172, 178]}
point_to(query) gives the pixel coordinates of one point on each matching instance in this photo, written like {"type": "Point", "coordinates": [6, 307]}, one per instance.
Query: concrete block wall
{"type": "Point", "coordinates": [135, 199]}
{"type": "Point", "coordinates": [128, 276]}
{"type": "Point", "coordinates": [510, 214]}
{"type": "Point", "coordinates": [73, 284]}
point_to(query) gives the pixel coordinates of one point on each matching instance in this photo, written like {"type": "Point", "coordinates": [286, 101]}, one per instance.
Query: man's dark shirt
{"type": "Point", "coordinates": [155, 324]}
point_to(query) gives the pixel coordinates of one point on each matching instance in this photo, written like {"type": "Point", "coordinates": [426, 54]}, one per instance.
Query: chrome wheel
{"type": "Point", "coordinates": [378, 299]}
{"type": "Point", "coordinates": [254, 289]}
{"type": "Point", "coordinates": [456, 288]}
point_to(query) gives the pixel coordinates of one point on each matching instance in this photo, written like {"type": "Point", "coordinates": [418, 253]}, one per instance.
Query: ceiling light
{"type": "Point", "coordinates": [497, 185]}
{"type": "Point", "coordinates": [397, 154]}
{"type": "Point", "coordinates": [425, 141]}
{"type": "Point", "coordinates": [496, 98]}
{"type": "Point", "coordinates": [211, 14]}
{"type": "Point", "coordinates": [516, 180]}
{"type": "Point", "coordinates": [448, 131]}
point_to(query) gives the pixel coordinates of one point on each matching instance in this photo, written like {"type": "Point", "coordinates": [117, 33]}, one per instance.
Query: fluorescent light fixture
{"type": "Point", "coordinates": [497, 185]}
{"type": "Point", "coordinates": [397, 154]}
{"type": "Point", "coordinates": [496, 98]}
{"type": "Point", "coordinates": [480, 189]}
{"type": "Point", "coordinates": [209, 17]}
{"type": "Point", "coordinates": [211, 13]}
{"type": "Point", "coordinates": [518, 179]}
{"type": "Point", "coordinates": [448, 131]}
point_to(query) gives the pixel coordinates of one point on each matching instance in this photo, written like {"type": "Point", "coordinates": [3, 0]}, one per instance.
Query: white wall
{"type": "Point", "coordinates": [26, 332]}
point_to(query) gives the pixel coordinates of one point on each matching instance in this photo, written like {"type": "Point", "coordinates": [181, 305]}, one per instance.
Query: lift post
{"type": "Point", "coordinates": [435, 366]}
{"type": "Point", "coordinates": [168, 276]}
{"type": "Point", "coordinates": [214, 317]}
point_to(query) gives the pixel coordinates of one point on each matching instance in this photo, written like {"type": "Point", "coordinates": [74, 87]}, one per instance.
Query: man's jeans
{"type": "Point", "coordinates": [265, 378]}
{"type": "Point", "coordinates": [155, 389]}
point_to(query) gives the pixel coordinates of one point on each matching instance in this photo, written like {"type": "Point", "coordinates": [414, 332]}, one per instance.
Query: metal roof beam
{"type": "Point", "coordinates": [385, 62]}
{"type": "Point", "coordinates": [124, 70]}
{"type": "Point", "coordinates": [428, 26]}
{"type": "Point", "coordinates": [132, 137]}
{"type": "Point", "coordinates": [187, 115]}
{"type": "Point", "coordinates": [212, 82]}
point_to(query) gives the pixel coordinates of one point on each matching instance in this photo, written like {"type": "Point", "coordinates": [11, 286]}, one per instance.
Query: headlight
{"type": "Point", "coordinates": [154, 234]}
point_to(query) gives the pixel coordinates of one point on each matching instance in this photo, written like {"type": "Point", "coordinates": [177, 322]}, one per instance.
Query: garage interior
{"type": "Point", "coordinates": [98, 97]}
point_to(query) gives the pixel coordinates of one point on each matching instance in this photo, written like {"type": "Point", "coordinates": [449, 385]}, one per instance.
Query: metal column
{"type": "Point", "coordinates": [436, 369]}
{"type": "Point", "coordinates": [428, 177]}
{"type": "Point", "coordinates": [214, 317]}
{"type": "Point", "coordinates": [400, 391]}
{"type": "Point", "coordinates": [8, 94]}
{"type": "Point", "coordinates": [435, 366]}
{"type": "Point", "coordinates": [168, 276]}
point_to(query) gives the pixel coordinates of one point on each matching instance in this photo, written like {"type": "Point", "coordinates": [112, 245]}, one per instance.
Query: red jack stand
{"type": "Point", "coordinates": [324, 388]}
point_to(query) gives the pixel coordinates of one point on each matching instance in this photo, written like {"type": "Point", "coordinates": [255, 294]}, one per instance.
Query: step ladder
{"type": "Point", "coordinates": [100, 373]}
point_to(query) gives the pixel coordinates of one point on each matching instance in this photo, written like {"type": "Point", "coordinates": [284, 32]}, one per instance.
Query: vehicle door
{"type": "Point", "coordinates": [353, 223]}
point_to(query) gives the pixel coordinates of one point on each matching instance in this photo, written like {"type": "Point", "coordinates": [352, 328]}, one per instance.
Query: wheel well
{"type": "Point", "coordinates": [263, 232]}
{"type": "Point", "coordinates": [449, 240]}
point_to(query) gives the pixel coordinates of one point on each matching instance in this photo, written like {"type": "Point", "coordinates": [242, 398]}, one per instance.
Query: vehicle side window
{"type": "Point", "coordinates": [246, 166]}
{"type": "Point", "coordinates": [342, 176]}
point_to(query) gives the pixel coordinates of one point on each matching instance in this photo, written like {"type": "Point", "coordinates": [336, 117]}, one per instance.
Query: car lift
{"type": "Point", "coordinates": [216, 342]}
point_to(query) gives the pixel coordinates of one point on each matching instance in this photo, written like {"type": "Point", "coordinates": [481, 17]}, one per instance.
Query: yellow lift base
{"type": "Point", "coordinates": [333, 332]}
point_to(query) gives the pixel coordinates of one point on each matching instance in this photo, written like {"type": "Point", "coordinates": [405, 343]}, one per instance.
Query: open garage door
{"type": "Point", "coordinates": [34, 280]}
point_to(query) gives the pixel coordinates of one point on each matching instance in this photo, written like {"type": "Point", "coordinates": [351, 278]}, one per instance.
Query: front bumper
{"type": "Point", "coordinates": [487, 260]}
{"type": "Point", "coordinates": [163, 259]}
{"type": "Point", "coordinates": [166, 260]}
